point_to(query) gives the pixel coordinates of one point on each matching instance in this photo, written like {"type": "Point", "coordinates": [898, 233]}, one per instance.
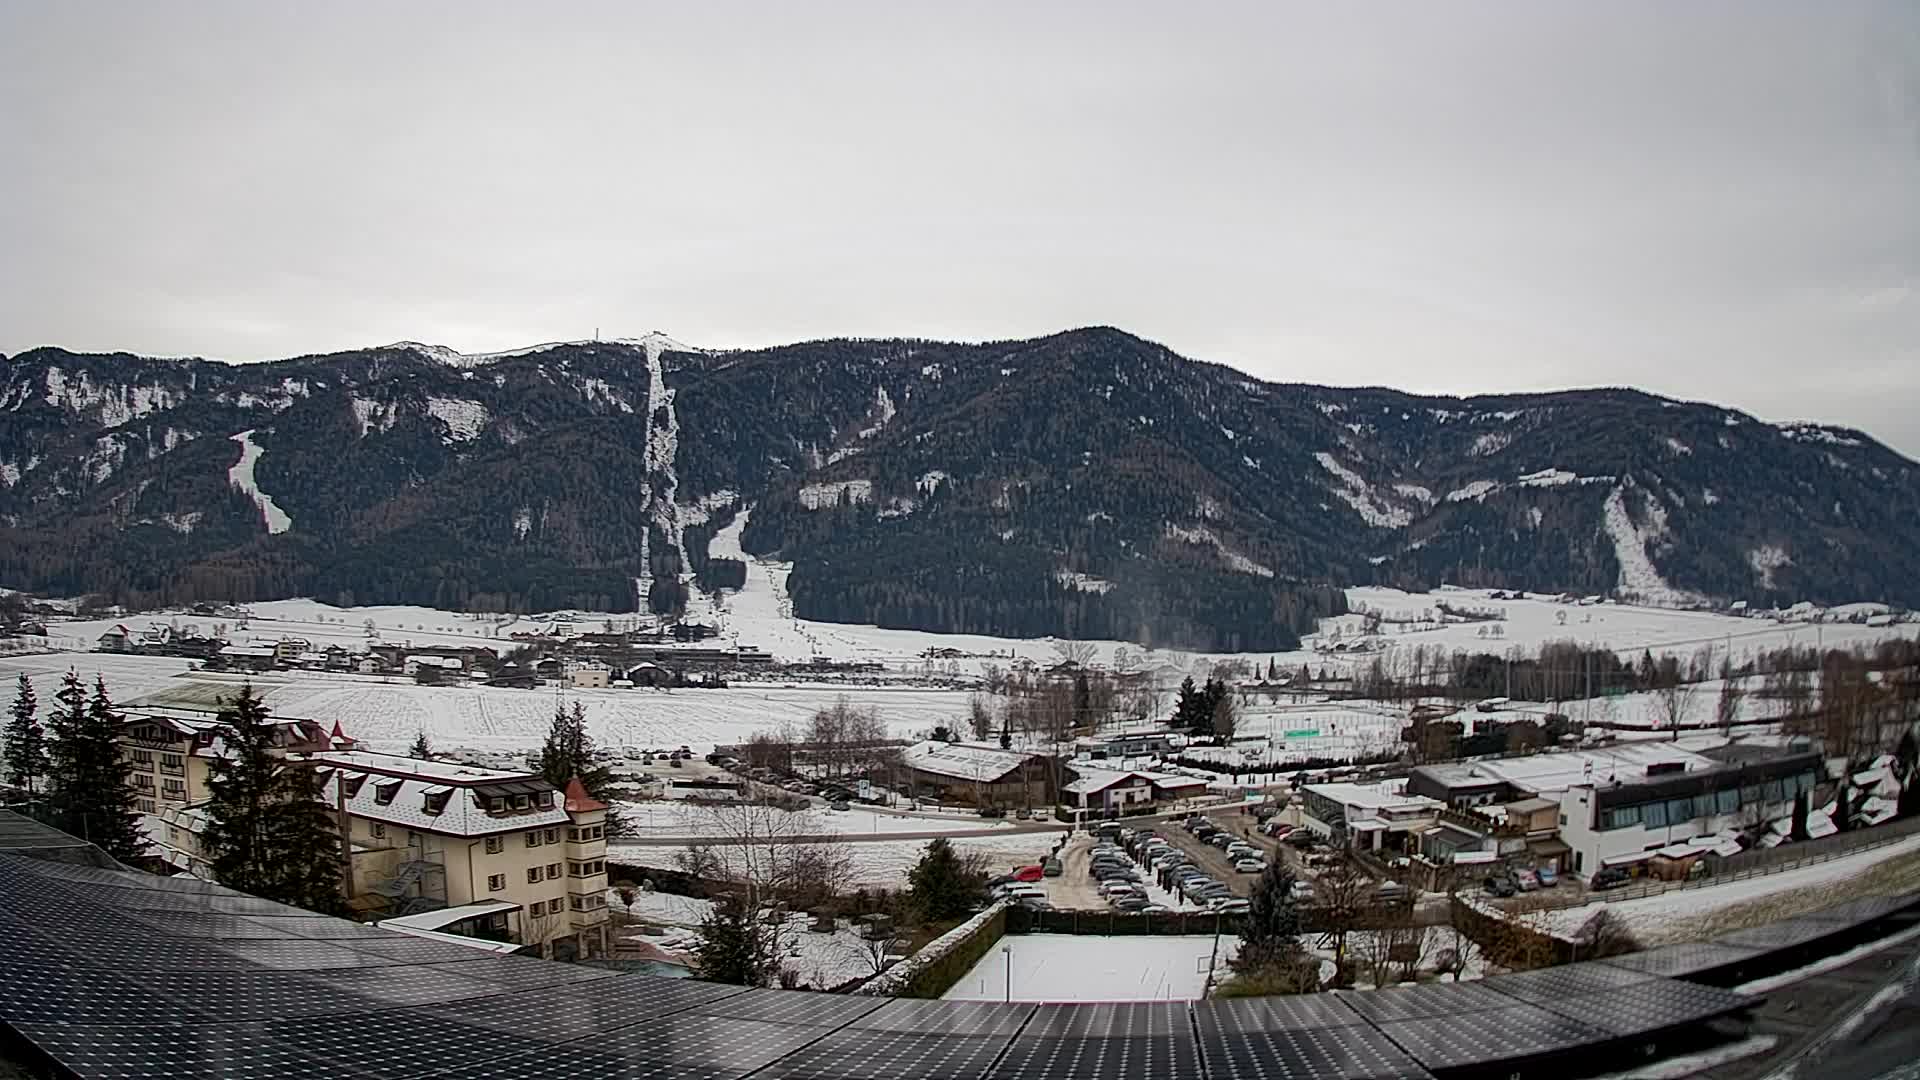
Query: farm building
{"type": "Point", "coordinates": [977, 773]}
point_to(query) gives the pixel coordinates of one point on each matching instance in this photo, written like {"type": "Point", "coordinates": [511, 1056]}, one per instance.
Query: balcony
{"type": "Point", "coordinates": [172, 770]}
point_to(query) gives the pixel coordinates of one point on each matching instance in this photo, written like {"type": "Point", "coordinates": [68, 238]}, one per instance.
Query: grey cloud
{"type": "Point", "coordinates": [1710, 200]}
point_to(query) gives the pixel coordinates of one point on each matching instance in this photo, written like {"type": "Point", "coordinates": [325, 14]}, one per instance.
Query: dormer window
{"type": "Point", "coordinates": [384, 792]}
{"type": "Point", "coordinates": [436, 800]}
{"type": "Point", "coordinates": [544, 800]}
{"type": "Point", "coordinates": [352, 785]}
{"type": "Point", "coordinates": [522, 802]}
{"type": "Point", "coordinates": [496, 805]}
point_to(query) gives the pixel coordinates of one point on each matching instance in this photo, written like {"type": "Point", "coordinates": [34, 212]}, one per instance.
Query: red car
{"type": "Point", "coordinates": [1029, 873]}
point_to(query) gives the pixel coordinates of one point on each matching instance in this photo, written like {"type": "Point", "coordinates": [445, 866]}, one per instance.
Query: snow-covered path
{"type": "Point", "coordinates": [241, 475]}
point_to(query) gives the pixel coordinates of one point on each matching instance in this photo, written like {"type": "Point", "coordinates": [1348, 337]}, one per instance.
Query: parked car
{"type": "Point", "coordinates": [992, 812]}
{"type": "Point", "coordinates": [1302, 890]}
{"type": "Point", "coordinates": [1029, 873]}
{"type": "Point", "coordinates": [1250, 866]}
{"type": "Point", "coordinates": [1024, 890]}
{"type": "Point", "coordinates": [1608, 877]}
{"type": "Point", "coordinates": [839, 804]}
{"type": "Point", "coordinates": [1235, 906]}
{"type": "Point", "coordinates": [1024, 814]}
{"type": "Point", "coordinates": [1548, 877]}
{"type": "Point", "coordinates": [1051, 868]}
{"type": "Point", "coordinates": [1526, 880]}
{"type": "Point", "coordinates": [1034, 903]}
{"type": "Point", "coordinates": [1391, 892]}
{"type": "Point", "coordinates": [1500, 886]}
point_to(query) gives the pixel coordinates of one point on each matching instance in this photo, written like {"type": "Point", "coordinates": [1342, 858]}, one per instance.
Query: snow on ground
{"type": "Point", "coordinates": [1067, 967]}
{"type": "Point", "coordinates": [1300, 732]}
{"type": "Point", "coordinates": [822, 960]}
{"type": "Point", "coordinates": [884, 863]}
{"type": "Point", "coordinates": [242, 475]}
{"type": "Point", "coordinates": [1683, 914]}
{"type": "Point", "coordinates": [668, 819]}
{"type": "Point", "coordinates": [1627, 629]}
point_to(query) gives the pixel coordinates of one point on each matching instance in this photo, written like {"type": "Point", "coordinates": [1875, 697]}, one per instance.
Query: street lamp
{"type": "Point", "coordinates": [1007, 951]}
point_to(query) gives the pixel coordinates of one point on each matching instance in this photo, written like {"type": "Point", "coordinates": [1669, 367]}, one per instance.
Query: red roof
{"type": "Point", "coordinates": [339, 736]}
{"type": "Point", "coordinates": [578, 801]}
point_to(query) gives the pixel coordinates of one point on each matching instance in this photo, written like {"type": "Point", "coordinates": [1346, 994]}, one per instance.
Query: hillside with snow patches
{"type": "Point", "coordinates": [1085, 484]}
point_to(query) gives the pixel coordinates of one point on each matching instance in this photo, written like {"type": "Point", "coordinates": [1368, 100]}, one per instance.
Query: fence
{"type": "Point", "coordinates": [1116, 924]}
{"type": "Point", "coordinates": [1749, 864]}
{"type": "Point", "coordinates": [933, 970]}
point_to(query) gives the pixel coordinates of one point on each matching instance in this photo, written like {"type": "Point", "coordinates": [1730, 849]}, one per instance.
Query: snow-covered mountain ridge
{"type": "Point", "coordinates": [1085, 483]}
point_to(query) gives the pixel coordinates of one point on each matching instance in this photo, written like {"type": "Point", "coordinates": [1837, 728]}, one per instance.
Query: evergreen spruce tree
{"type": "Point", "coordinates": [568, 752]}
{"type": "Point", "coordinates": [421, 748]}
{"type": "Point", "coordinates": [25, 749]}
{"type": "Point", "coordinates": [729, 948]}
{"type": "Point", "coordinates": [267, 831]}
{"type": "Point", "coordinates": [305, 835]}
{"type": "Point", "coordinates": [939, 885]}
{"type": "Point", "coordinates": [88, 792]}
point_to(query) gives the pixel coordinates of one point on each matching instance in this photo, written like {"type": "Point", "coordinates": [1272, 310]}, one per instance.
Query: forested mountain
{"type": "Point", "coordinates": [1088, 484]}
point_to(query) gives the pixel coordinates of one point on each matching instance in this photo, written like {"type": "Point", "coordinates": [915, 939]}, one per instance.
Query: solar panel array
{"type": "Point", "coordinates": [114, 973]}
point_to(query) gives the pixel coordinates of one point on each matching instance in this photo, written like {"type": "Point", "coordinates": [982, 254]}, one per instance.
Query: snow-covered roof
{"type": "Point", "coordinates": [1389, 795]}
{"type": "Point", "coordinates": [963, 761]}
{"type": "Point", "coordinates": [443, 917]}
{"type": "Point", "coordinates": [408, 782]}
{"type": "Point", "coordinates": [1092, 780]}
{"type": "Point", "coordinates": [396, 765]}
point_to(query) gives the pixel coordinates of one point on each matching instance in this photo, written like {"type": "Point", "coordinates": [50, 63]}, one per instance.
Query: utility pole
{"type": "Point", "coordinates": [346, 831]}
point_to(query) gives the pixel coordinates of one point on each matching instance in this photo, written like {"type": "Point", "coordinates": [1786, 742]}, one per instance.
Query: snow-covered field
{"type": "Point", "coordinates": [666, 819]}
{"type": "Point", "coordinates": [1624, 628]}
{"type": "Point", "coordinates": [388, 713]}
{"type": "Point", "coordinates": [1301, 732]}
{"type": "Point", "coordinates": [1067, 967]}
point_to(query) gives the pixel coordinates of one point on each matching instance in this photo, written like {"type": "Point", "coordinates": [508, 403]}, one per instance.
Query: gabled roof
{"type": "Point", "coordinates": [578, 801]}
{"type": "Point", "coordinates": [963, 761]}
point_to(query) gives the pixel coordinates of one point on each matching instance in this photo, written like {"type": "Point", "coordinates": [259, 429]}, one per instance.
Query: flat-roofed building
{"type": "Point", "coordinates": [1376, 817]}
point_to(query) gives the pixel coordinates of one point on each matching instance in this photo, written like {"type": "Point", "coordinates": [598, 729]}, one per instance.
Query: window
{"type": "Point", "coordinates": [576, 869]}
{"type": "Point", "coordinates": [436, 802]}
{"type": "Point", "coordinates": [521, 802]}
{"type": "Point", "coordinates": [553, 836]}
{"type": "Point", "coordinates": [377, 830]}
{"type": "Point", "coordinates": [1654, 815]}
{"type": "Point", "coordinates": [533, 875]}
{"type": "Point", "coordinates": [172, 762]}
{"type": "Point", "coordinates": [1679, 810]}
{"type": "Point", "coordinates": [544, 800]}
{"type": "Point", "coordinates": [579, 903]}
{"type": "Point", "coordinates": [1750, 795]}
{"type": "Point", "coordinates": [496, 845]}
{"type": "Point", "coordinates": [497, 805]}
{"type": "Point", "coordinates": [553, 871]}
{"type": "Point", "coordinates": [384, 791]}
{"type": "Point", "coordinates": [145, 806]}
{"type": "Point", "coordinates": [143, 758]}
{"type": "Point", "coordinates": [174, 789]}
{"type": "Point", "coordinates": [1774, 792]}
{"type": "Point", "coordinates": [537, 908]}
{"type": "Point", "coordinates": [143, 781]}
{"type": "Point", "coordinates": [1728, 801]}
{"type": "Point", "coordinates": [496, 882]}
{"type": "Point", "coordinates": [533, 838]}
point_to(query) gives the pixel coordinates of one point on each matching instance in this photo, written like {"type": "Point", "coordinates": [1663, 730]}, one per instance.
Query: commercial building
{"type": "Point", "coordinates": [167, 754]}
{"type": "Point", "coordinates": [429, 835]}
{"type": "Point", "coordinates": [502, 853]}
{"type": "Point", "coordinates": [1374, 817]}
{"type": "Point", "coordinates": [1636, 804]}
{"type": "Point", "coordinates": [977, 773]}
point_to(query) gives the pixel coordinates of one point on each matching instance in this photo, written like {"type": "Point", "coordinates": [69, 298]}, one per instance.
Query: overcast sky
{"type": "Point", "coordinates": [1706, 200]}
